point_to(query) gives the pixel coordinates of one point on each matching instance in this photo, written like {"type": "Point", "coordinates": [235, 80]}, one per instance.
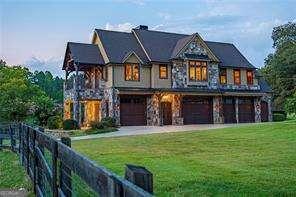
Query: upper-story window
{"type": "Point", "coordinates": [223, 76]}
{"type": "Point", "coordinates": [163, 71]}
{"type": "Point", "coordinates": [236, 77]}
{"type": "Point", "coordinates": [132, 72]}
{"type": "Point", "coordinates": [249, 77]}
{"type": "Point", "coordinates": [198, 71]}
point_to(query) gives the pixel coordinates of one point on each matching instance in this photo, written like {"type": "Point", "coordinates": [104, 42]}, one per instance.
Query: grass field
{"type": "Point", "coordinates": [251, 160]}
{"type": "Point", "coordinates": [12, 174]}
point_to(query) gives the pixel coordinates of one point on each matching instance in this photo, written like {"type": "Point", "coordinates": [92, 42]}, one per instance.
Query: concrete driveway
{"type": "Point", "coordinates": [142, 130]}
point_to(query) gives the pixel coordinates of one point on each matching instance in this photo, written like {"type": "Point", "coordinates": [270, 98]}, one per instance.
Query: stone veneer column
{"type": "Point", "coordinates": [236, 110]}
{"type": "Point", "coordinates": [177, 118]}
{"type": "Point", "coordinates": [113, 104]}
{"type": "Point", "coordinates": [218, 110]}
{"type": "Point", "coordinates": [153, 110]}
{"type": "Point", "coordinates": [268, 99]}
{"type": "Point", "coordinates": [257, 109]}
{"type": "Point", "coordinates": [179, 74]}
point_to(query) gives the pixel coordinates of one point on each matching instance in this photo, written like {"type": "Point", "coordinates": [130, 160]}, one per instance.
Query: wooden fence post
{"type": "Point", "coordinates": [65, 172]}
{"type": "Point", "coordinates": [54, 168]}
{"type": "Point", "coordinates": [140, 176]}
{"type": "Point", "coordinates": [34, 161]}
{"type": "Point", "coordinates": [27, 150]}
{"type": "Point", "coordinates": [20, 141]}
{"type": "Point", "coordinates": [12, 140]}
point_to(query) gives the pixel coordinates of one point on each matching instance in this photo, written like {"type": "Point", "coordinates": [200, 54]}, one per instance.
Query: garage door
{"type": "Point", "coordinates": [246, 110]}
{"type": "Point", "coordinates": [264, 111]}
{"type": "Point", "coordinates": [132, 111]}
{"type": "Point", "coordinates": [197, 110]}
{"type": "Point", "coordinates": [229, 110]}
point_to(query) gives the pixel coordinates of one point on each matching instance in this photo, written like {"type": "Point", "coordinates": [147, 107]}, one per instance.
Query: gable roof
{"type": "Point", "coordinates": [181, 44]}
{"type": "Point", "coordinates": [229, 55]}
{"type": "Point", "coordinates": [84, 54]}
{"type": "Point", "coordinates": [120, 44]}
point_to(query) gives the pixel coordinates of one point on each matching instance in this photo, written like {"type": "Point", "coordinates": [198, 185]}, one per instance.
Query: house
{"type": "Point", "coordinates": [149, 77]}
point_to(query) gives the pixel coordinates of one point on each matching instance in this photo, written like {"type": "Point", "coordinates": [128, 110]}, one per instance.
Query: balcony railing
{"type": "Point", "coordinates": [86, 88]}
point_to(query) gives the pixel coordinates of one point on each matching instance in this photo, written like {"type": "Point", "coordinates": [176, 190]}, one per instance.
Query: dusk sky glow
{"type": "Point", "coordinates": [35, 33]}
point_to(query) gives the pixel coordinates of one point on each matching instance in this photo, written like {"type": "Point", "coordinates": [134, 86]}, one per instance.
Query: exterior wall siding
{"type": "Point", "coordinates": [156, 82]}
{"type": "Point", "coordinates": [119, 80]}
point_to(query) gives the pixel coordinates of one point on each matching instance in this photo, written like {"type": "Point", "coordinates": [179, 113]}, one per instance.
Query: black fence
{"type": "Point", "coordinates": [57, 170]}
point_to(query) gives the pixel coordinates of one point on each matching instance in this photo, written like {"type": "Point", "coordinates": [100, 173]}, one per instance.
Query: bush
{"type": "Point", "coordinates": [54, 122]}
{"type": "Point", "coordinates": [70, 124]}
{"type": "Point", "coordinates": [279, 117]}
{"type": "Point", "coordinates": [104, 123]}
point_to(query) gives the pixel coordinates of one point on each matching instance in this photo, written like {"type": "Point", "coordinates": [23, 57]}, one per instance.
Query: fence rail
{"type": "Point", "coordinates": [57, 170]}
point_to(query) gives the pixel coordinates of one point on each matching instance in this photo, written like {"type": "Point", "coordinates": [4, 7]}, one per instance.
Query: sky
{"type": "Point", "coordinates": [35, 32]}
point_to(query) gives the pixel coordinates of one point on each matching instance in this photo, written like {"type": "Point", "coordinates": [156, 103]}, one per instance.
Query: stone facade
{"type": "Point", "coordinates": [153, 113]}
{"type": "Point", "coordinates": [177, 118]}
{"type": "Point", "coordinates": [257, 109]}
{"type": "Point", "coordinates": [213, 76]}
{"type": "Point", "coordinates": [111, 96]}
{"type": "Point", "coordinates": [179, 74]}
{"type": "Point", "coordinates": [218, 110]}
{"type": "Point", "coordinates": [268, 99]}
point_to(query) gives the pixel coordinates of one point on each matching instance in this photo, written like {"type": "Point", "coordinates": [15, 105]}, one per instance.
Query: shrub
{"type": "Point", "coordinates": [70, 124]}
{"type": "Point", "coordinates": [104, 123]}
{"type": "Point", "coordinates": [54, 122]}
{"type": "Point", "coordinates": [278, 117]}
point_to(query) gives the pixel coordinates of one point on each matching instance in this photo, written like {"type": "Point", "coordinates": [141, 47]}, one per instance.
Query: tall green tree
{"type": "Point", "coordinates": [20, 98]}
{"type": "Point", "coordinates": [280, 66]}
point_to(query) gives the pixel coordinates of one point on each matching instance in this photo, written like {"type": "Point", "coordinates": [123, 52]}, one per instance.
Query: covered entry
{"type": "Point", "coordinates": [132, 110]}
{"type": "Point", "coordinates": [264, 111]}
{"type": "Point", "coordinates": [229, 110]}
{"type": "Point", "coordinates": [197, 110]}
{"type": "Point", "coordinates": [246, 110]}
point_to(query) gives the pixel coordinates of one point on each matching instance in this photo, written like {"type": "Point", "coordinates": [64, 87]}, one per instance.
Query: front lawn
{"type": "Point", "coordinates": [12, 174]}
{"type": "Point", "coordinates": [249, 160]}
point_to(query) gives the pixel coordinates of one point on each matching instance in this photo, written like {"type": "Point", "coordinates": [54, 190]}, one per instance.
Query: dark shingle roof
{"type": "Point", "coordinates": [158, 45]}
{"type": "Point", "coordinates": [180, 45]}
{"type": "Point", "coordinates": [119, 44]}
{"type": "Point", "coordinates": [229, 55]}
{"type": "Point", "coordinates": [85, 53]}
{"type": "Point", "coordinates": [264, 87]}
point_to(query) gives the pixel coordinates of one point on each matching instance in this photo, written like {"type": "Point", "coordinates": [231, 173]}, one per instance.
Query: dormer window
{"type": "Point", "coordinates": [131, 72]}
{"type": "Point", "coordinates": [198, 71]}
{"type": "Point", "coordinates": [236, 77]}
{"type": "Point", "coordinates": [250, 77]}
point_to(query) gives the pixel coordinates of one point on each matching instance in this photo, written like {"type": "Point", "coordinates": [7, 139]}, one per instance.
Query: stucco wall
{"type": "Point", "coordinates": [119, 80]}
{"type": "Point", "coordinates": [156, 81]}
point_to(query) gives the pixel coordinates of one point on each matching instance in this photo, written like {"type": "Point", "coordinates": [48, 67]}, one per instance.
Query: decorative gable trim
{"type": "Point", "coordinates": [135, 34]}
{"type": "Point", "coordinates": [128, 55]}
{"type": "Point", "coordinates": [202, 43]}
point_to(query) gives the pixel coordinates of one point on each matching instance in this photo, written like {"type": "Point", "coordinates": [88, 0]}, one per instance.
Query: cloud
{"type": "Point", "coordinates": [126, 27]}
{"type": "Point", "coordinates": [164, 15]}
{"type": "Point", "coordinates": [54, 65]}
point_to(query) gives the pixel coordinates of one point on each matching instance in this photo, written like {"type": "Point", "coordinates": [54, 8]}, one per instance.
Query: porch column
{"type": "Point", "coordinates": [153, 110]}
{"type": "Point", "coordinates": [218, 110]}
{"type": "Point", "coordinates": [257, 109]}
{"type": "Point", "coordinates": [113, 104]}
{"type": "Point", "coordinates": [269, 102]}
{"type": "Point", "coordinates": [236, 110]}
{"type": "Point", "coordinates": [177, 118]}
{"type": "Point", "coordinates": [76, 96]}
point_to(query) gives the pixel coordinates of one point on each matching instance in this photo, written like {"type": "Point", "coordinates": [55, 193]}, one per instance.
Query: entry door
{"type": "Point", "coordinates": [166, 108]}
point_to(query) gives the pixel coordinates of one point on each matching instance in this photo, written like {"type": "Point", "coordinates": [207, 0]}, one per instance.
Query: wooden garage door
{"type": "Point", "coordinates": [229, 110]}
{"type": "Point", "coordinates": [264, 111]}
{"type": "Point", "coordinates": [132, 111]}
{"type": "Point", "coordinates": [246, 110]}
{"type": "Point", "coordinates": [197, 110]}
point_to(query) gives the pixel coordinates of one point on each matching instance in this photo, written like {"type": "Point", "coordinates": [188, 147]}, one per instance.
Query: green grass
{"type": "Point", "coordinates": [251, 160]}
{"type": "Point", "coordinates": [12, 174]}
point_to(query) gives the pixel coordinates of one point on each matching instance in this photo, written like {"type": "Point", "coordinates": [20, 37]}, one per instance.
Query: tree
{"type": "Point", "coordinates": [20, 98]}
{"type": "Point", "coordinates": [280, 67]}
{"type": "Point", "coordinates": [290, 104]}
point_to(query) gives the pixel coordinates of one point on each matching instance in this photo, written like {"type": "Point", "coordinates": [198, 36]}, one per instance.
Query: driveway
{"type": "Point", "coordinates": [142, 130]}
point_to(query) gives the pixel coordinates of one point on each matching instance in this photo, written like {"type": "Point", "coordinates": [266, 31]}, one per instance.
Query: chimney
{"type": "Point", "coordinates": [142, 27]}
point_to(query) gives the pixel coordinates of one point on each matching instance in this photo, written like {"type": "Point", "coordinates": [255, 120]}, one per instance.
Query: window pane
{"type": "Point", "coordinates": [237, 77]}
{"type": "Point", "coordinates": [128, 72]}
{"type": "Point", "coordinates": [136, 72]}
{"type": "Point", "coordinates": [223, 79]}
{"type": "Point", "coordinates": [192, 73]}
{"type": "Point", "coordinates": [198, 73]}
{"type": "Point", "coordinates": [191, 63]}
{"type": "Point", "coordinates": [204, 73]}
{"type": "Point", "coordinates": [250, 77]}
{"type": "Point", "coordinates": [163, 72]}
